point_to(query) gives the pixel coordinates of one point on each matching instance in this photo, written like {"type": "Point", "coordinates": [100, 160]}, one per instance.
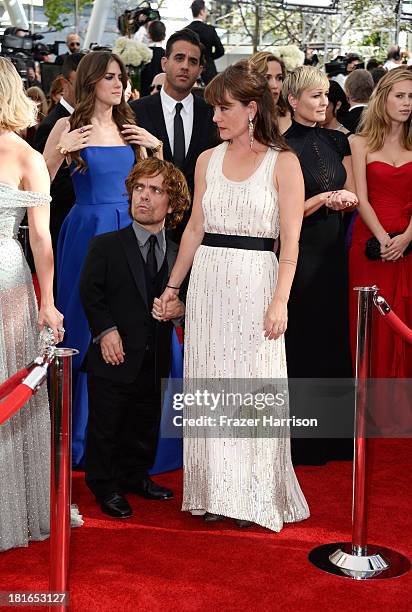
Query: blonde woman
{"type": "Point", "coordinates": [380, 252]}
{"type": "Point", "coordinates": [317, 340]}
{"type": "Point", "coordinates": [25, 437]}
{"type": "Point", "coordinates": [274, 70]}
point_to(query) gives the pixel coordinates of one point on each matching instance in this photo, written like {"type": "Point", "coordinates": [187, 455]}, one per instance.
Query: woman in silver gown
{"type": "Point", "coordinates": [25, 437]}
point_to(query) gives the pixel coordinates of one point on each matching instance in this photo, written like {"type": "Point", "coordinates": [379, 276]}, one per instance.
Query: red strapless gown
{"type": "Point", "coordinates": [390, 195]}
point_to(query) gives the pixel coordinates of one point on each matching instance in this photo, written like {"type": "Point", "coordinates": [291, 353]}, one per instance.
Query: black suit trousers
{"type": "Point", "coordinates": [123, 430]}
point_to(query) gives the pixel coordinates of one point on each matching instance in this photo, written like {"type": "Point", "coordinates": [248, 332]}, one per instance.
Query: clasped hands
{"type": "Point", "coordinates": [341, 200]}
{"type": "Point", "coordinates": [168, 306]}
{"type": "Point", "coordinates": [393, 248]}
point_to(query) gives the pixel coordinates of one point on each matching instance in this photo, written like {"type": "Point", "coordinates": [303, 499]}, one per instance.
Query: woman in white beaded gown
{"type": "Point", "coordinates": [25, 437]}
{"type": "Point", "coordinates": [246, 190]}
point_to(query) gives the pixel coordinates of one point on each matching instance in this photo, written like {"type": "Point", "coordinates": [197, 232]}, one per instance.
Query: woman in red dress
{"type": "Point", "coordinates": [382, 162]}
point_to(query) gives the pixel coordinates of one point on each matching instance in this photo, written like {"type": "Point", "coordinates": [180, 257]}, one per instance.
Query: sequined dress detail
{"type": "Point", "coordinates": [230, 289]}
{"type": "Point", "coordinates": [25, 437]}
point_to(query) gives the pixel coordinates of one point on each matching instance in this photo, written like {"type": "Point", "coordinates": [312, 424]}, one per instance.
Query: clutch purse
{"type": "Point", "coordinates": [373, 247]}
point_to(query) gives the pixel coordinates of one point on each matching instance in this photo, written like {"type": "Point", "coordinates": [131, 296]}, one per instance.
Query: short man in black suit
{"type": "Point", "coordinates": [182, 121]}
{"type": "Point", "coordinates": [123, 275]}
{"type": "Point", "coordinates": [61, 188]}
{"type": "Point", "coordinates": [208, 37]}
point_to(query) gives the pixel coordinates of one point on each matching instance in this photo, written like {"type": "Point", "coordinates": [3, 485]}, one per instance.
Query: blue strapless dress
{"type": "Point", "coordinates": [101, 206]}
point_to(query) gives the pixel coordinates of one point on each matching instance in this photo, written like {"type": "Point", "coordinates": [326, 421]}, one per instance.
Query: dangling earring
{"type": "Point", "coordinates": [251, 132]}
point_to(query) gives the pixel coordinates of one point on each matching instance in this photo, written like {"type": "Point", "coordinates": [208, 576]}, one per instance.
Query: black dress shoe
{"type": "Point", "coordinates": [209, 517]}
{"type": "Point", "coordinates": [150, 490]}
{"type": "Point", "coordinates": [243, 524]}
{"type": "Point", "coordinates": [116, 505]}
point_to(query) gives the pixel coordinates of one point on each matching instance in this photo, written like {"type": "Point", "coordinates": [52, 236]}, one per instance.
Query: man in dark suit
{"type": "Point", "coordinates": [182, 121]}
{"type": "Point", "coordinates": [73, 45]}
{"type": "Point", "coordinates": [124, 274]}
{"type": "Point", "coordinates": [359, 86]}
{"type": "Point", "coordinates": [61, 189]}
{"type": "Point", "coordinates": [157, 34]}
{"type": "Point", "coordinates": [208, 37]}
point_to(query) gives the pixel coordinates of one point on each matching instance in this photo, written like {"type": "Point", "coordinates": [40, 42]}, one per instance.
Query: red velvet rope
{"type": "Point", "coordinates": [17, 398]}
{"type": "Point", "coordinates": [398, 326]}
{"type": "Point", "coordinates": [12, 382]}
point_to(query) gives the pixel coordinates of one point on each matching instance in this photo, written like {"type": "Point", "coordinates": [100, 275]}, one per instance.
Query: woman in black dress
{"type": "Point", "coordinates": [317, 339]}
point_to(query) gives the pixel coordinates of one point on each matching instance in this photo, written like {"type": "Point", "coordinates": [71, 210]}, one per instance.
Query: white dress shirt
{"type": "Point", "coordinates": [66, 105]}
{"type": "Point", "coordinates": [169, 112]}
{"type": "Point", "coordinates": [142, 36]}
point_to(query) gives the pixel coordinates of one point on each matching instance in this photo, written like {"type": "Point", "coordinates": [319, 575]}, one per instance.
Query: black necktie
{"type": "Point", "coordinates": [151, 261]}
{"type": "Point", "coordinates": [179, 151]}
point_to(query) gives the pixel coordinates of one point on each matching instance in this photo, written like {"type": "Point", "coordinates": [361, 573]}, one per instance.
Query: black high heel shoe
{"type": "Point", "coordinates": [209, 517]}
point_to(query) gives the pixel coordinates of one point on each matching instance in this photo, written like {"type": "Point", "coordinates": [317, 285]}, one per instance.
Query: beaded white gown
{"type": "Point", "coordinates": [25, 437]}
{"type": "Point", "coordinates": [230, 289]}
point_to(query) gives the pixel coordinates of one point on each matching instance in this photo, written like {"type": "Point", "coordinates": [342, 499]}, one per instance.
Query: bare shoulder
{"type": "Point", "coordinates": [60, 125]}
{"type": "Point", "coordinates": [287, 160]}
{"type": "Point", "coordinates": [35, 175]}
{"type": "Point", "coordinates": [32, 160]}
{"type": "Point", "coordinates": [203, 159]}
{"type": "Point", "coordinates": [206, 155]}
{"type": "Point", "coordinates": [358, 143]}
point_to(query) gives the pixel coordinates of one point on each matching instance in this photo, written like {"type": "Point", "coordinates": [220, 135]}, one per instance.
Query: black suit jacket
{"type": "Point", "coordinates": [351, 119]}
{"type": "Point", "coordinates": [61, 189]}
{"type": "Point", "coordinates": [149, 115]}
{"type": "Point", "coordinates": [213, 47]}
{"type": "Point", "coordinates": [60, 58]}
{"type": "Point", "coordinates": [113, 293]}
{"type": "Point", "coordinates": [151, 70]}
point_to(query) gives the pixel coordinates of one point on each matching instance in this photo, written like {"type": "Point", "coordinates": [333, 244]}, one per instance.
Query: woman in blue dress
{"type": "Point", "coordinates": [102, 143]}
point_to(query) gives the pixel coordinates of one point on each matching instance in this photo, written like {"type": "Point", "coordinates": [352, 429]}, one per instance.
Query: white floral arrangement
{"type": "Point", "coordinates": [291, 55]}
{"type": "Point", "coordinates": [132, 52]}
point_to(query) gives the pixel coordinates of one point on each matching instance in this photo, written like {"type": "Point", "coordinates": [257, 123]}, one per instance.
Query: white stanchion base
{"type": "Point", "coordinates": [378, 563]}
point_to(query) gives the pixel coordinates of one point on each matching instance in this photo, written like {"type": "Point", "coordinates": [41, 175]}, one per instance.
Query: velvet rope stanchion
{"type": "Point", "coordinates": [60, 477]}
{"type": "Point", "coordinates": [357, 559]}
{"type": "Point", "coordinates": [398, 326]}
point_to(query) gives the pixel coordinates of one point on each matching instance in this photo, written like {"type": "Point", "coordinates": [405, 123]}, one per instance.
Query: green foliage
{"type": "Point", "coordinates": [61, 13]}
{"type": "Point", "coordinates": [372, 40]}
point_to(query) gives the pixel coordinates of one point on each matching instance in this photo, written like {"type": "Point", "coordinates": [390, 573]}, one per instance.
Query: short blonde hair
{"type": "Point", "coordinates": [302, 78]}
{"type": "Point", "coordinates": [17, 111]}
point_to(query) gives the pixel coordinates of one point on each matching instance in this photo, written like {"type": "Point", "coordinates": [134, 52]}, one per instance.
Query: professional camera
{"type": "Point", "coordinates": [339, 65]}
{"type": "Point", "coordinates": [21, 48]}
{"type": "Point", "coordinates": [131, 20]}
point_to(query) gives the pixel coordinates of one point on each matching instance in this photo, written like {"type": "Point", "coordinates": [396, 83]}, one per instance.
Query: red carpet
{"type": "Point", "coordinates": [163, 559]}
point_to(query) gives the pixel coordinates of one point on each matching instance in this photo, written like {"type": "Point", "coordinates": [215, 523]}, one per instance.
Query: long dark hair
{"type": "Point", "coordinates": [90, 71]}
{"type": "Point", "coordinates": [246, 84]}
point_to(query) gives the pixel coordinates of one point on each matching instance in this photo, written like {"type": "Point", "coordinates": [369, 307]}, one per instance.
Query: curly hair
{"type": "Point", "coordinates": [174, 183]}
{"type": "Point", "coordinates": [92, 69]}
